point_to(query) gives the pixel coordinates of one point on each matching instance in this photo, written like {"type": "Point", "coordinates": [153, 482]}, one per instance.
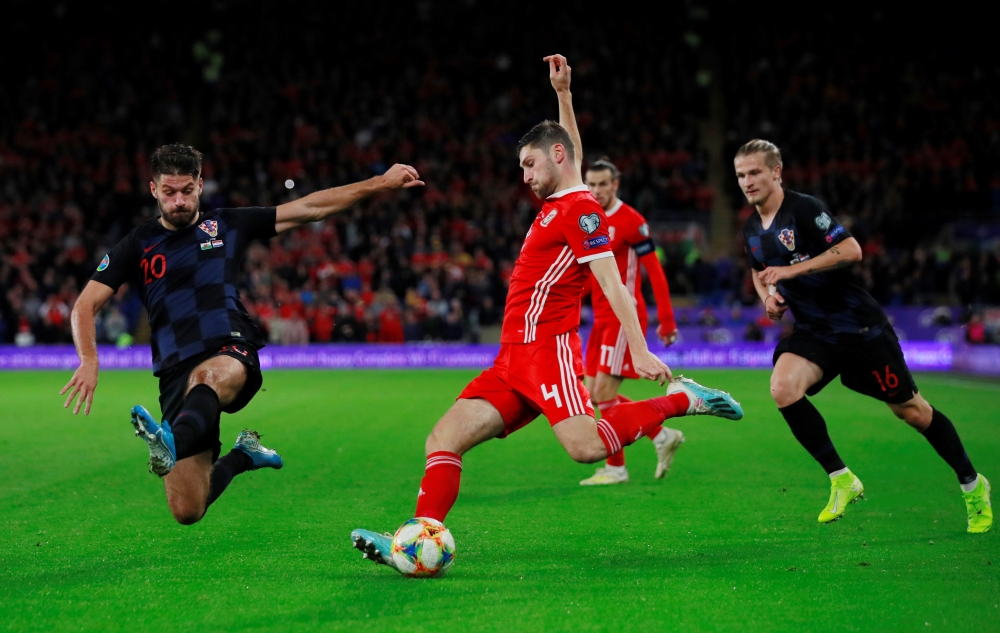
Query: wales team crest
{"type": "Point", "coordinates": [211, 227]}
{"type": "Point", "coordinates": [787, 237]}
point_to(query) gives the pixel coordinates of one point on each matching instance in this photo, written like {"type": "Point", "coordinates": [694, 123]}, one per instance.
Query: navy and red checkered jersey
{"type": "Point", "coordinates": [834, 305]}
{"type": "Point", "coordinates": [188, 280]}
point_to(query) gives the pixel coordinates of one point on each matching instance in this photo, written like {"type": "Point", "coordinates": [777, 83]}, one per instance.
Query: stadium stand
{"type": "Point", "coordinates": [280, 112]}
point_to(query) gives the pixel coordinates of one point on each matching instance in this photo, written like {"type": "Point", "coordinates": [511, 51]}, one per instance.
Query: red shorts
{"type": "Point", "coordinates": [540, 378]}
{"type": "Point", "coordinates": [608, 351]}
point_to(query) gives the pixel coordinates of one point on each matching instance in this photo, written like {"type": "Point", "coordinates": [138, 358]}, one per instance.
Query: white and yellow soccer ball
{"type": "Point", "coordinates": [423, 547]}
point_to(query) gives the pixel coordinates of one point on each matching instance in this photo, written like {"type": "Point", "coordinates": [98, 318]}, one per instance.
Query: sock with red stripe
{"type": "Point", "coordinates": [627, 422]}
{"type": "Point", "coordinates": [439, 487]}
{"type": "Point", "coordinates": [615, 459]}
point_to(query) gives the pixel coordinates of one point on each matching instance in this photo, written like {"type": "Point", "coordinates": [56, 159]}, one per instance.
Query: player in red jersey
{"type": "Point", "coordinates": [609, 359]}
{"type": "Point", "coordinates": [540, 365]}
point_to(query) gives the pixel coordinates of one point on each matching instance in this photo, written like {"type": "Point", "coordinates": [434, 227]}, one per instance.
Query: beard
{"type": "Point", "coordinates": [546, 186]}
{"type": "Point", "coordinates": [180, 218]}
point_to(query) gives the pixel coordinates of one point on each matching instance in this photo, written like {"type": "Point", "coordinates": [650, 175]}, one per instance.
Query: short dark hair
{"type": "Point", "coordinates": [544, 136]}
{"type": "Point", "coordinates": [604, 164]}
{"type": "Point", "coordinates": [176, 159]}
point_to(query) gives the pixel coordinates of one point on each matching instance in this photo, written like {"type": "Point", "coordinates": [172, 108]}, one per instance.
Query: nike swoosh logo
{"type": "Point", "coordinates": [836, 503]}
{"type": "Point", "coordinates": [892, 393]}
{"type": "Point", "coordinates": [146, 250]}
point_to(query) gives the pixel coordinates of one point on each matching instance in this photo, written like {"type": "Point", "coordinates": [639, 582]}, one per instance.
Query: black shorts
{"type": "Point", "coordinates": [874, 368]}
{"type": "Point", "coordinates": [174, 381]}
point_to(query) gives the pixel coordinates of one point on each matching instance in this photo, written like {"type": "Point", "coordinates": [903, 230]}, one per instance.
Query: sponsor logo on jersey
{"type": "Point", "coordinates": [210, 227]}
{"type": "Point", "coordinates": [823, 221]}
{"type": "Point", "coordinates": [787, 237]}
{"type": "Point", "coordinates": [594, 242]}
{"type": "Point", "coordinates": [590, 223]}
{"type": "Point", "coordinates": [104, 263]}
{"type": "Point", "coordinates": [611, 233]}
{"type": "Point", "coordinates": [644, 230]}
{"type": "Point", "coordinates": [548, 219]}
{"type": "Point", "coordinates": [834, 233]}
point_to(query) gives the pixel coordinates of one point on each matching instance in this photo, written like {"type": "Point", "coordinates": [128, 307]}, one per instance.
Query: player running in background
{"type": "Point", "coordinates": [186, 265]}
{"type": "Point", "coordinates": [609, 359]}
{"type": "Point", "coordinates": [799, 254]}
{"type": "Point", "coordinates": [539, 368]}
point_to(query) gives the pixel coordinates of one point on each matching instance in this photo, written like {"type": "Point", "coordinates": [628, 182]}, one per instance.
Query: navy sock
{"type": "Point", "coordinates": [809, 429]}
{"type": "Point", "coordinates": [233, 463]}
{"type": "Point", "coordinates": [944, 438]}
{"type": "Point", "coordinates": [201, 409]}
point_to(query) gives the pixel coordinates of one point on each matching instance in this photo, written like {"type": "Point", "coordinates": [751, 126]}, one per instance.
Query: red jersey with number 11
{"type": "Point", "coordinates": [630, 240]}
{"type": "Point", "coordinates": [547, 282]}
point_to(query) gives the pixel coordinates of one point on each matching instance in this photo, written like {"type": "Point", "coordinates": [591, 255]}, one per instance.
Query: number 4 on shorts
{"type": "Point", "coordinates": [548, 395]}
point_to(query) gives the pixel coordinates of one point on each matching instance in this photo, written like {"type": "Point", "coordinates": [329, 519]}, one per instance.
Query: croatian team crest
{"type": "Point", "coordinates": [210, 227]}
{"type": "Point", "coordinates": [551, 216]}
{"type": "Point", "coordinates": [787, 237]}
{"type": "Point", "coordinates": [590, 223]}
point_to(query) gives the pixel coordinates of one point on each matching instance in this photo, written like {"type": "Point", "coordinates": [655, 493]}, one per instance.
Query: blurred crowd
{"type": "Point", "coordinates": [282, 107]}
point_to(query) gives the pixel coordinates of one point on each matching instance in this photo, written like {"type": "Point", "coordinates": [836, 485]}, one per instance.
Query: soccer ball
{"type": "Point", "coordinates": [422, 548]}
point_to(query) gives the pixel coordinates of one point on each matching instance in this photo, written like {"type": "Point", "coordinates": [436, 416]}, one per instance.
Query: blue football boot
{"type": "Point", "coordinates": [159, 439]}
{"type": "Point", "coordinates": [249, 442]}
{"type": "Point", "coordinates": [706, 401]}
{"type": "Point", "coordinates": [375, 547]}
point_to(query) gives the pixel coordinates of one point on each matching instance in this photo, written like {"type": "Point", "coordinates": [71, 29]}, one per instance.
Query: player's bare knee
{"type": "Point", "coordinates": [205, 377]}
{"type": "Point", "coordinates": [917, 413]}
{"type": "Point", "coordinates": [585, 451]}
{"type": "Point", "coordinates": [785, 391]}
{"type": "Point", "coordinates": [187, 513]}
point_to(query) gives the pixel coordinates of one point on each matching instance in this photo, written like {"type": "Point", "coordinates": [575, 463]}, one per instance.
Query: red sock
{"type": "Point", "coordinates": [627, 422]}
{"type": "Point", "coordinates": [439, 487]}
{"type": "Point", "coordinates": [615, 459]}
{"type": "Point", "coordinates": [651, 433]}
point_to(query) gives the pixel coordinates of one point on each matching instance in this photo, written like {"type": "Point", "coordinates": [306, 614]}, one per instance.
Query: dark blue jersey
{"type": "Point", "coordinates": [188, 280]}
{"type": "Point", "coordinates": [832, 305]}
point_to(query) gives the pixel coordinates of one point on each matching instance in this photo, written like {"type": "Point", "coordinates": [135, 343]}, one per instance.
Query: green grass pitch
{"type": "Point", "coordinates": [728, 541]}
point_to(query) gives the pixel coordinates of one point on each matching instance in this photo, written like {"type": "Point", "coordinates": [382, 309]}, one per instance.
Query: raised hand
{"type": "Point", "coordinates": [402, 177]}
{"type": "Point", "coordinates": [667, 338]}
{"type": "Point", "coordinates": [83, 383]}
{"type": "Point", "coordinates": [559, 72]}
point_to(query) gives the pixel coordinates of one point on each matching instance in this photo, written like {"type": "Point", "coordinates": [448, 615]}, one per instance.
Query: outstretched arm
{"type": "Point", "coordinates": [646, 364]}
{"type": "Point", "coordinates": [559, 76]}
{"type": "Point", "coordinates": [84, 380]}
{"type": "Point", "coordinates": [322, 204]}
{"type": "Point", "coordinates": [667, 330]}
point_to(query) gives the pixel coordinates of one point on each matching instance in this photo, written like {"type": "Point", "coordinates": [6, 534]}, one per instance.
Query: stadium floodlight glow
{"type": "Point", "coordinates": [289, 183]}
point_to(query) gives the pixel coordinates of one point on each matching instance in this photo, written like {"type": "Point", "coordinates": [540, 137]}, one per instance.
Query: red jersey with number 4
{"type": "Point", "coordinates": [547, 282]}
{"type": "Point", "coordinates": [630, 240]}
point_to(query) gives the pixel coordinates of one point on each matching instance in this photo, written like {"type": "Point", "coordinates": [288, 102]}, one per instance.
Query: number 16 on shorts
{"type": "Point", "coordinates": [890, 382]}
